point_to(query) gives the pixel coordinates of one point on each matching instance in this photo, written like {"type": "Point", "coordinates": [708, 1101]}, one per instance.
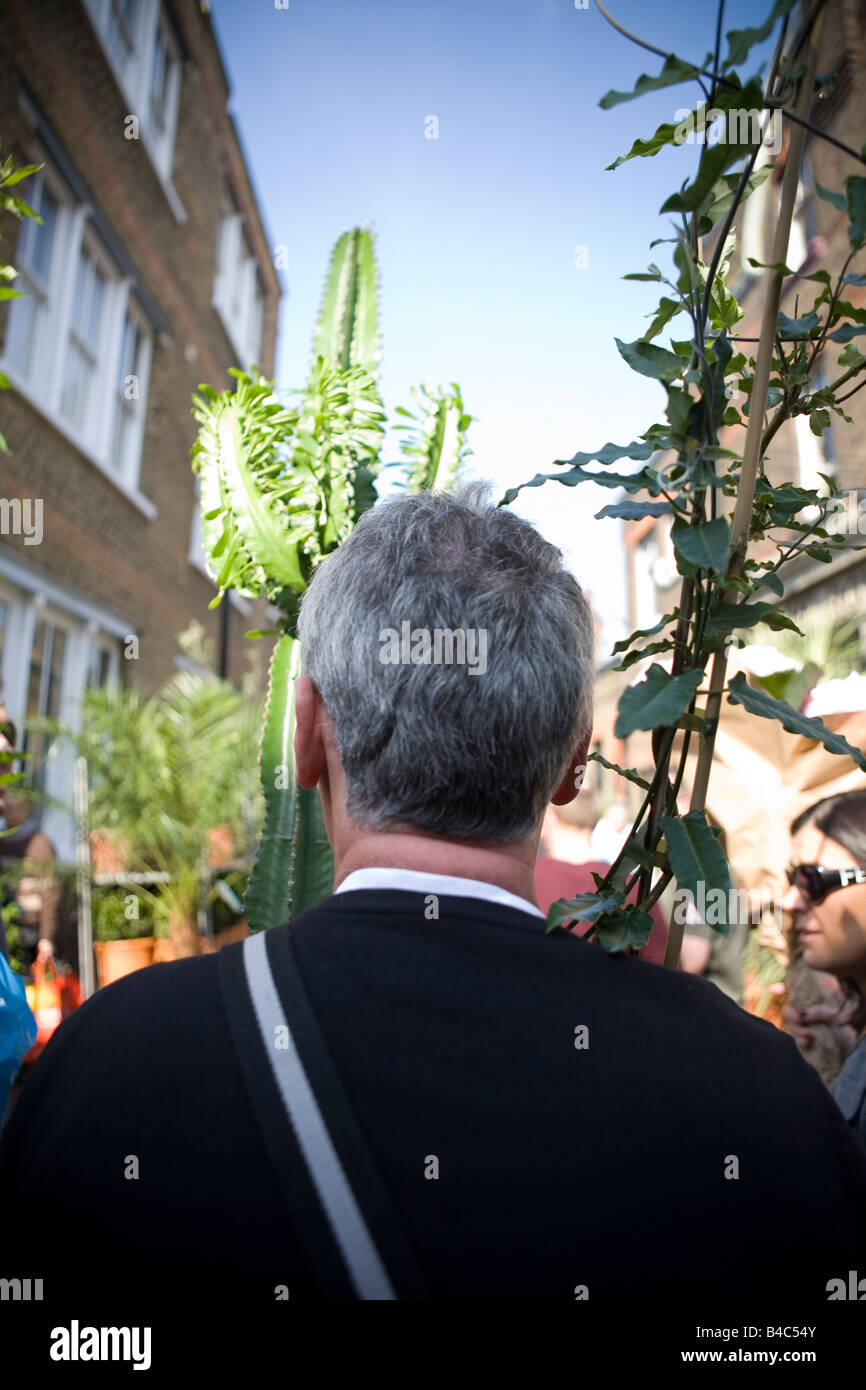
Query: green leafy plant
{"type": "Point", "coordinates": [727, 514]}
{"type": "Point", "coordinates": [116, 918]}
{"type": "Point", "coordinates": [165, 771]}
{"type": "Point", "coordinates": [281, 487]}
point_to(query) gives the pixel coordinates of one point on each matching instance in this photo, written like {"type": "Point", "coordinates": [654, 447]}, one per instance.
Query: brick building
{"type": "Point", "coordinates": [814, 592]}
{"type": "Point", "coordinates": [151, 272]}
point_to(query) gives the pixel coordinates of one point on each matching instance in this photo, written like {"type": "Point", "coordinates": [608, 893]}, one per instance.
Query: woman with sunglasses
{"type": "Point", "coordinates": [827, 900]}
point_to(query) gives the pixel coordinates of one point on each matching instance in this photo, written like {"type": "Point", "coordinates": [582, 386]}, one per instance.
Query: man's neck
{"type": "Point", "coordinates": [511, 867]}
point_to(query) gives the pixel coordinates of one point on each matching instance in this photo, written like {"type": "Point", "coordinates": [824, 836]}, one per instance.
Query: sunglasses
{"type": "Point", "coordinates": [815, 882]}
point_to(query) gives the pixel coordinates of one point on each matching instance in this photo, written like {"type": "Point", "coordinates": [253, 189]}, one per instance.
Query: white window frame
{"type": "Point", "coordinates": [134, 82]}
{"type": "Point", "coordinates": [238, 282]}
{"type": "Point", "coordinates": [196, 554]}
{"type": "Point", "coordinates": [127, 468]}
{"type": "Point", "coordinates": [30, 596]}
{"type": "Point", "coordinates": [43, 386]}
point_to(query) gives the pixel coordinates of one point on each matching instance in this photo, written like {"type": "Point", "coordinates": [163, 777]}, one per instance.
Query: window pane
{"type": "Point", "coordinates": [97, 296]}
{"type": "Point", "coordinates": [88, 299]}
{"type": "Point", "coordinates": [128, 351]}
{"type": "Point", "coordinates": [34, 683]}
{"type": "Point", "coordinates": [77, 377]}
{"type": "Point", "coordinates": [20, 333]}
{"type": "Point", "coordinates": [121, 25]}
{"type": "Point", "coordinates": [42, 242]}
{"type": "Point", "coordinates": [98, 665]}
{"type": "Point", "coordinates": [55, 674]}
{"type": "Point", "coordinates": [159, 78]}
{"type": "Point", "coordinates": [124, 431]}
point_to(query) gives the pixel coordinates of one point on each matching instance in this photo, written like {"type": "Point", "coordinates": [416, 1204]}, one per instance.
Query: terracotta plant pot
{"type": "Point", "coordinates": [117, 958]}
{"type": "Point", "coordinates": [163, 949]}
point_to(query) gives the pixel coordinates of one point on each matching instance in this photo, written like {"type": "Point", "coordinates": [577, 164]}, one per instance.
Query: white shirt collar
{"type": "Point", "coordinates": [443, 885]}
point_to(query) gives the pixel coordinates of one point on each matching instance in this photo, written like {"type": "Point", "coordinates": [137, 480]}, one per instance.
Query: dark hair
{"type": "Point", "coordinates": [841, 818]}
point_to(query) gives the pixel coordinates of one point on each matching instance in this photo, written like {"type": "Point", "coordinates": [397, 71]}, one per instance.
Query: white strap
{"type": "Point", "coordinates": [351, 1232]}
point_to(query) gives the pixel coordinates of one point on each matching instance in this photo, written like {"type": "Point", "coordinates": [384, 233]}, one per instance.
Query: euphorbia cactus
{"type": "Point", "coordinates": [280, 488]}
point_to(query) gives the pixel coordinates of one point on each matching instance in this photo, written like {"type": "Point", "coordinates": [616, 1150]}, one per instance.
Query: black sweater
{"type": "Point", "coordinates": [560, 1165]}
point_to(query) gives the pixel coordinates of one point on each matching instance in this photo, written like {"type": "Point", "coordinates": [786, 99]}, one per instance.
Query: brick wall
{"type": "Point", "coordinates": [95, 539]}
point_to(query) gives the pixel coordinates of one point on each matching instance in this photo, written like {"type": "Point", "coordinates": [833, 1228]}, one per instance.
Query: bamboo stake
{"type": "Point", "coordinates": [754, 432]}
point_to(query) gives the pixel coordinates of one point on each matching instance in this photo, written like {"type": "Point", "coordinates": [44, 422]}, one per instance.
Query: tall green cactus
{"type": "Point", "coordinates": [435, 441]}
{"type": "Point", "coordinates": [280, 488]}
{"type": "Point", "coordinates": [348, 326]}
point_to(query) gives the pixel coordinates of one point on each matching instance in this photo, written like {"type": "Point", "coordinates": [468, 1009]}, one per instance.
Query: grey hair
{"type": "Point", "coordinates": [437, 747]}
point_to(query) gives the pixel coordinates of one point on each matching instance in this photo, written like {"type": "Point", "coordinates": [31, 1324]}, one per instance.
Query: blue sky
{"type": "Point", "coordinates": [476, 231]}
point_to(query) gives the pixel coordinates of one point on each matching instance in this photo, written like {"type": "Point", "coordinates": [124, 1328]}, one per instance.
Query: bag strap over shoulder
{"type": "Point", "coordinates": [327, 1173]}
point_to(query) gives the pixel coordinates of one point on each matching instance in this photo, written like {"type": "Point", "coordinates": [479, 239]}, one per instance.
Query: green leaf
{"type": "Point", "coordinates": [758, 702]}
{"type": "Point", "coordinates": [674, 70]}
{"type": "Point", "coordinates": [645, 275]}
{"type": "Point", "coordinates": [646, 631]}
{"type": "Point", "coordinates": [837, 199]}
{"type": "Point", "coordinates": [729, 617]}
{"type": "Point", "coordinates": [577, 472]}
{"type": "Point", "coordinates": [703, 547]}
{"type": "Point", "coordinates": [846, 333]}
{"type": "Point", "coordinates": [633, 511]}
{"type": "Point", "coordinates": [740, 41]}
{"type": "Point", "coordinates": [657, 701]}
{"type": "Point", "coordinates": [797, 328]}
{"type": "Point", "coordinates": [819, 421]}
{"type": "Point", "coordinates": [697, 859]}
{"type": "Point", "coordinates": [612, 453]}
{"type": "Point", "coordinates": [855, 188]}
{"type": "Point", "coordinates": [626, 928]}
{"type": "Point", "coordinates": [679, 409]}
{"type": "Point", "coordinates": [583, 907]}
{"type": "Point", "coordinates": [771, 581]}
{"type": "Point", "coordinates": [23, 173]}
{"type": "Point", "coordinates": [667, 309]}
{"type": "Point", "coordinates": [649, 360]}
{"type": "Point", "coordinates": [272, 546]}
{"type": "Point", "coordinates": [716, 158]}
{"type": "Point", "coordinates": [723, 195]}
{"type": "Point", "coordinates": [644, 149]}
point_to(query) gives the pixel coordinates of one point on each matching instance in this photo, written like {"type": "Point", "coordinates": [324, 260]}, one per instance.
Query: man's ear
{"type": "Point", "coordinates": [573, 779]}
{"type": "Point", "coordinates": [308, 744]}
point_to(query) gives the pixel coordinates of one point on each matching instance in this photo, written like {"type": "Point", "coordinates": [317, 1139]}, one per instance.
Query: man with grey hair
{"type": "Point", "coordinates": [414, 1090]}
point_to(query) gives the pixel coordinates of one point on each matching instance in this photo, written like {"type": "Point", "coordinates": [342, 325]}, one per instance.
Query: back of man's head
{"type": "Point", "coordinates": [454, 654]}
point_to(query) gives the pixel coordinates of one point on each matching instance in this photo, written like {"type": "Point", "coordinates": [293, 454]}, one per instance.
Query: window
{"type": "Point", "coordinates": [56, 646]}
{"type": "Point", "coordinates": [120, 33]}
{"type": "Point", "coordinates": [130, 392]}
{"type": "Point", "coordinates": [145, 58]}
{"type": "Point", "coordinates": [44, 686]}
{"type": "Point", "coordinates": [77, 346]}
{"type": "Point", "coordinates": [238, 294]}
{"type": "Point", "coordinates": [84, 348]}
{"type": "Point", "coordinates": [36, 278]}
{"type": "Point", "coordinates": [103, 659]}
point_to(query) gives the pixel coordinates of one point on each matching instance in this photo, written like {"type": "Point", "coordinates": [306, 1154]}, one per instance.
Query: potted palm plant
{"type": "Point", "coordinates": [165, 772]}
